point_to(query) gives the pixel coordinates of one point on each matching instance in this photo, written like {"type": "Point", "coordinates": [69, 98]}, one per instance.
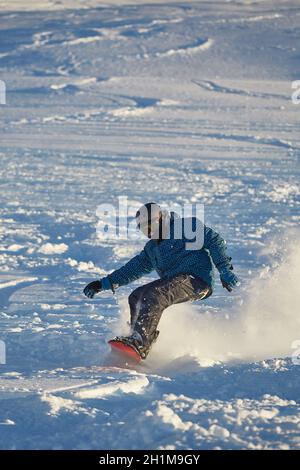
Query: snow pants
{"type": "Point", "coordinates": [148, 302]}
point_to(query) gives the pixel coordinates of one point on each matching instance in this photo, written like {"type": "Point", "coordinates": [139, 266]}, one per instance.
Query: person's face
{"type": "Point", "coordinates": [150, 228]}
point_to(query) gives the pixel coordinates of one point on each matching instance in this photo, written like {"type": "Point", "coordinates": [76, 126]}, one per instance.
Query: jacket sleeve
{"type": "Point", "coordinates": [216, 246]}
{"type": "Point", "coordinates": [137, 267]}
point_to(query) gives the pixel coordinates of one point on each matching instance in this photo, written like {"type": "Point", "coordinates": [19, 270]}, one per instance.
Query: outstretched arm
{"type": "Point", "coordinates": [135, 268]}
{"type": "Point", "coordinates": [216, 246]}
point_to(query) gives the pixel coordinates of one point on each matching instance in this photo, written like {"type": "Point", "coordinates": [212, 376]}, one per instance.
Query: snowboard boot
{"type": "Point", "coordinates": [140, 345]}
{"type": "Point", "coordinates": [147, 343]}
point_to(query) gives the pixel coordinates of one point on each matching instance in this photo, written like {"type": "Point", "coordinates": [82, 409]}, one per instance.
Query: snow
{"type": "Point", "coordinates": [136, 385]}
{"type": "Point", "coordinates": [165, 101]}
{"type": "Point", "coordinates": [168, 416]}
{"type": "Point", "coordinates": [188, 49]}
{"type": "Point", "coordinates": [52, 249]}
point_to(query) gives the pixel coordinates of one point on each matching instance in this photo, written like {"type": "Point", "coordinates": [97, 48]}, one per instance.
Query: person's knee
{"type": "Point", "coordinates": [134, 296]}
{"type": "Point", "coordinates": [201, 289]}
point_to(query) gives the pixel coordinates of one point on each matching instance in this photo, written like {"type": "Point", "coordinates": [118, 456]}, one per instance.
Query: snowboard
{"type": "Point", "coordinates": [117, 345]}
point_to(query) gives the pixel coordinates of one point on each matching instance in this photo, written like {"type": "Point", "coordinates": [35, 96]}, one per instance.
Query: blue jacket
{"type": "Point", "coordinates": [170, 256]}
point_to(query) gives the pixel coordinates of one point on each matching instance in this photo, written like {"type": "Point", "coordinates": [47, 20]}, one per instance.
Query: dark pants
{"type": "Point", "coordinates": [148, 302]}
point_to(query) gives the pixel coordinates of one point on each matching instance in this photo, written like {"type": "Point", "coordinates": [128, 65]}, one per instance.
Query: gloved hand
{"type": "Point", "coordinates": [92, 288]}
{"type": "Point", "coordinates": [229, 279]}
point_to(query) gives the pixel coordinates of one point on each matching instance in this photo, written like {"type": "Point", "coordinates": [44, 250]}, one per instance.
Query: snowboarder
{"type": "Point", "coordinates": [185, 274]}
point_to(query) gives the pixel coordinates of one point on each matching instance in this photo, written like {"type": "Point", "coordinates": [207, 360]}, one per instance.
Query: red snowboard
{"type": "Point", "coordinates": [124, 349]}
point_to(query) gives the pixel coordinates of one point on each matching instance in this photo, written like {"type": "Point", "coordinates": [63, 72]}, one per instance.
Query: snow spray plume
{"type": "Point", "coordinates": [264, 326]}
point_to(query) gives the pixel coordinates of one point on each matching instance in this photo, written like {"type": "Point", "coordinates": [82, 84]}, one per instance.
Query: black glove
{"type": "Point", "coordinates": [92, 288]}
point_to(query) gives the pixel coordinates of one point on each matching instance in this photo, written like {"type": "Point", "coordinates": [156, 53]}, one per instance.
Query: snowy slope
{"type": "Point", "coordinates": [166, 101]}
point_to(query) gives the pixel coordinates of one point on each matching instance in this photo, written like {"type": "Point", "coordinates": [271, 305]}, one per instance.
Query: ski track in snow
{"type": "Point", "coordinates": [171, 102]}
{"type": "Point", "coordinates": [203, 45]}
